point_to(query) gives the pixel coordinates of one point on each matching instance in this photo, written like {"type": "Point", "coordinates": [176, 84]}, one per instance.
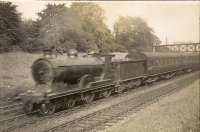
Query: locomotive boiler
{"type": "Point", "coordinates": [72, 69]}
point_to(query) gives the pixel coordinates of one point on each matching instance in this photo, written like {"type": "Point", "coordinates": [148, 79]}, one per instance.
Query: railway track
{"type": "Point", "coordinates": [4, 102]}
{"type": "Point", "coordinates": [9, 108]}
{"type": "Point", "coordinates": [18, 122]}
{"type": "Point", "coordinates": [103, 118]}
{"type": "Point", "coordinates": [7, 103]}
{"type": "Point", "coordinates": [22, 120]}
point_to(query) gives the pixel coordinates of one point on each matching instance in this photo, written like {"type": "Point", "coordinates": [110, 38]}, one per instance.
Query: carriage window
{"type": "Point", "coordinates": [177, 60]}
{"type": "Point", "coordinates": [163, 61]}
{"type": "Point", "coordinates": [171, 60]}
{"type": "Point", "coordinates": [184, 59]}
{"type": "Point", "coordinates": [180, 59]}
{"type": "Point", "coordinates": [150, 62]}
{"type": "Point", "coordinates": [167, 61]}
{"type": "Point", "coordinates": [159, 61]}
{"type": "Point", "coordinates": [156, 62]}
{"type": "Point", "coordinates": [193, 59]}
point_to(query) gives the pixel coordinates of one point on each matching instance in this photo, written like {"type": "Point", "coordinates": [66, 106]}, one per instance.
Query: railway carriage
{"type": "Point", "coordinates": [168, 64]}
{"type": "Point", "coordinates": [61, 82]}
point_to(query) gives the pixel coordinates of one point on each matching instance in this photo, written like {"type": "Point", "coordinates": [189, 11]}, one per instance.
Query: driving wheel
{"type": "Point", "coordinates": [47, 109]}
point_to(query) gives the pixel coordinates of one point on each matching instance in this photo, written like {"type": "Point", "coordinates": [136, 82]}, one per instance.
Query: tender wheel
{"type": "Point", "coordinates": [28, 107]}
{"type": "Point", "coordinates": [106, 94]}
{"type": "Point", "coordinates": [70, 103]}
{"type": "Point", "coordinates": [47, 109]}
{"type": "Point", "coordinates": [88, 98]}
{"type": "Point", "coordinates": [168, 76]}
{"type": "Point", "coordinates": [120, 89]}
{"type": "Point", "coordinates": [138, 83]}
{"type": "Point", "coordinates": [151, 80]}
{"type": "Point", "coordinates": [189, 70]}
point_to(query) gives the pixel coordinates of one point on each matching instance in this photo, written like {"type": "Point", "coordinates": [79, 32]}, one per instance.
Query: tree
{"type": "Point", "coordinates": [9, 26]}
{"type": "Point", "coordinates": [81, 27]}
{"type": "Point", "coordinates": [60, 27]}
{"type": "Point", "coordinates": [30, 34]}
{"type": "Point", "coordinates": [96, 33]}
{"type": "Point", "coordinates": [134, 33]}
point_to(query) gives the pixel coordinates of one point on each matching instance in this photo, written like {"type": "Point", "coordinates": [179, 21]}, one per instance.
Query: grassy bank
{"type": "Point", "coordinates": [15, 75]}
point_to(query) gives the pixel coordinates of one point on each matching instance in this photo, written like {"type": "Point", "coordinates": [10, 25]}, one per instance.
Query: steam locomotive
{"type": "Point", "coordinates": [63, 81]}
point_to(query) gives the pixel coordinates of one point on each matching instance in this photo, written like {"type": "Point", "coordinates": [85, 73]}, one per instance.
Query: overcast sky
{"type": "Point", "coordinates": [176, 21]}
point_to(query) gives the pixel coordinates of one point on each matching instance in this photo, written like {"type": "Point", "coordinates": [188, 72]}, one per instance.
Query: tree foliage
{"type": "Point", "coordinates": [80, 26]}
{"type": "Point", "coordinates": [59, 27]}
{"type": "Point", "coordinates": [97, 34]}
{"type": "Point", "coordinates": [30, 33]}
{"type": "Point", "coordinates": [134, 33]}
{"type": "Point", "coordinates": [9, 26]}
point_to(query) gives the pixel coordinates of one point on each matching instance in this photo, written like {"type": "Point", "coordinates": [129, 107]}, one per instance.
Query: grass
{"type": "Point", "coordinates": [15, 73]}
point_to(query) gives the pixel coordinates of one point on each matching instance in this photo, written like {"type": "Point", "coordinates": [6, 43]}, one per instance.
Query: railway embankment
{"type": "Point", "coordinates": [179, 112]}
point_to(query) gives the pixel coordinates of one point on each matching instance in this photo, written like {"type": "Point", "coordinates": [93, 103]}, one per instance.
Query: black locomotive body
{"type": "Point", "coordinates": [67, 70]}
{"type": "Point", "coordinates": [82, 78]}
